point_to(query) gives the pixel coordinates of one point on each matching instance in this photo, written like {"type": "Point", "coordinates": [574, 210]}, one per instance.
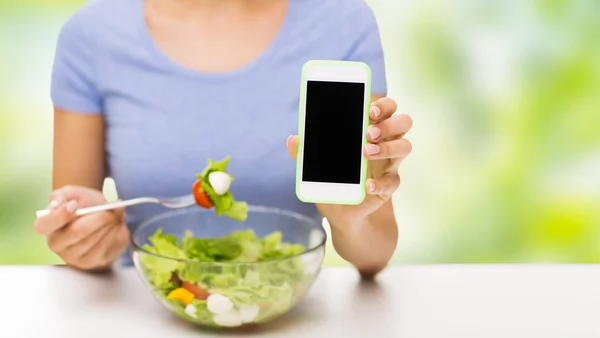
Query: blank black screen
{"type": "Point", "coordinates": [333, 134]}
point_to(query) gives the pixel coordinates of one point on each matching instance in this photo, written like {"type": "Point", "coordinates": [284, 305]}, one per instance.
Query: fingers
{"type": "Point", "coordinates": [66, 193]}
{"type": "Point", "coordinates": [82, 242]}
{"type": "Point", "coordinates": [385, 185]}
{"type": "Point", "coordinates": [96, 257]}
{"type": "Point", "coordinates": [79, 230]}
{"type": "Point", "coordinates": [119, 213]}
{"type": "Point", "coordinates": [120, 244]}
{"type": "Point", "coordinates": [58, 218]}
{"type": "Point", "coordinates": [391, 128]}
{"type": "Point", "coordinates": [292, 145]}
{"type": "Point", "coordinates": [84, 196]}
{"type": "Point", "coordinates": [79, 249]}
{"type": "Point", "coordinates": [100, 248]}
{"type": "Point", "coordinates": [85, 242]}
{"type": "Point", "coordinates": [382, 109]}
{"type": "Point", "coordinates": [106, 250]}
{"type": "Point", "coordinates": [63, 204]}
{"type": "Point", "coordinates": [394, 149]}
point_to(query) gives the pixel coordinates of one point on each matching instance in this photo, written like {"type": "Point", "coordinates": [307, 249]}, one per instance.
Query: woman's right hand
{"type": "Point", "coordinates": [91, 242]}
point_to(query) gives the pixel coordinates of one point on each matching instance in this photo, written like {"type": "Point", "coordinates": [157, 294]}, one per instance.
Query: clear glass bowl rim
{"type": "Point", "coordinates": [251, 209]}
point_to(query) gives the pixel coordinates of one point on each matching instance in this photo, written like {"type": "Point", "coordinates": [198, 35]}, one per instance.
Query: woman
{"type": "Point", "coordinates": [145, 91]}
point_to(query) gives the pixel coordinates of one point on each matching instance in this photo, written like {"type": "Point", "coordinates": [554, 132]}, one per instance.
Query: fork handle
{"type": "Point", "coordinates": [104, 207]}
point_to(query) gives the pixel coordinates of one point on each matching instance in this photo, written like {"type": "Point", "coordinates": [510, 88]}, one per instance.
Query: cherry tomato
{"type": "Point", "coordinates": [200, 195]}
{"type": "Point", "coordinates": [199, 293]}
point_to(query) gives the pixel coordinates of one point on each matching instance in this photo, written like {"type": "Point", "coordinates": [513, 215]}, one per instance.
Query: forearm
{"type": "Point", "coordinates": [369, 243]}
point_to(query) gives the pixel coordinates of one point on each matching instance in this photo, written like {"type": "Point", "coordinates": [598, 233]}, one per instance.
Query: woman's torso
{"type": "Point", "coordinates": [164, 121]}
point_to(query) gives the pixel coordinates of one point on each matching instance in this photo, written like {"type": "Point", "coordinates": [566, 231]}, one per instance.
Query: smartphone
{"type": "Point", "coordinates": [333, 119]}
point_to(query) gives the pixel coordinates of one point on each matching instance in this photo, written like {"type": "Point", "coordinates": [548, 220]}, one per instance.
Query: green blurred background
{"type": "Point", "coordinates": [506, 101]}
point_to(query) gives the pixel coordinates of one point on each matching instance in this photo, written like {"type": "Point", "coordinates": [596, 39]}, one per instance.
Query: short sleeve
{"type": "Point", "coordinates": [73, 81]}
{"type": "Point", "coordinates": [367, 47]}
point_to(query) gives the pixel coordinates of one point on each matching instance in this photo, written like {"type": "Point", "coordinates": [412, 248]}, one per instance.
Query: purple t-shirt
{"type": "Point", "coordinates": [164, 121]}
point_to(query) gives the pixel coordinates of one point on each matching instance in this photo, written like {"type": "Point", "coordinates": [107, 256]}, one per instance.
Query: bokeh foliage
{"type": "Point", "coordinates": [506, 101]}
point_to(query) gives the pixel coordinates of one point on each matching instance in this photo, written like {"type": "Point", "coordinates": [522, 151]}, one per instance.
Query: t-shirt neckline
{"type": "Point", "coordinates": [173, 65]}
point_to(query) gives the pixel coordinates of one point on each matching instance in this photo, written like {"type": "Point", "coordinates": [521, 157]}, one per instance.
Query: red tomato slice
{"type": "Point", "coordinates": [199, 293]}
{"type": "Point", "coordinates": [200, 195]}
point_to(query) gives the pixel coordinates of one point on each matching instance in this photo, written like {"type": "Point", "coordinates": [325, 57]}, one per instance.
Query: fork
{"type": "Point", "coordinates": [172, 202]}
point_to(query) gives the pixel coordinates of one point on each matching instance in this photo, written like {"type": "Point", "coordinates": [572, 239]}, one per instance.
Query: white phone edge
{"type": "Point", "coordinates": [332, 193]}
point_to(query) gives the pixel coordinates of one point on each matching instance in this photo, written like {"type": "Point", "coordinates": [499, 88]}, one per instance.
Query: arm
{"type": "Point", "coordinates": [367, 243]}
{"type": "Point", "coordinates": [78, 157]}
{"type": "Point", "coordinates": [90, 242]}
{"type": "Point", "coordinates": [78, 166]}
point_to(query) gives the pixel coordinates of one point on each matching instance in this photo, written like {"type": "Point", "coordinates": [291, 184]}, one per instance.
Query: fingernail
{"type": "Point", "coordinates": [371, 186]}
{"type": "Point", "coordinates": [376, 111]}
{"type": "Point", "coordinates": [58, 199]}
{"type": "Point", "coordinates": [372, 149]}
{"type": "Point", "coordinates": [374, 132]}
{"type": "Point", "coordinates": [71, 206]}
{"type": "Point", "coordinates": [287, 142]}
{"type": "Point", "coordinates": [53, 204]}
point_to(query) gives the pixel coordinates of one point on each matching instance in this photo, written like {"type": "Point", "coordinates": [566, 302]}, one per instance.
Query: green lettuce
{"type": "Point", "coordinates": [273, 247]}
{"type": "Point", "coordinates": [160, 269]}
{"type": "Point", "coordinates": [270, 285]}
{"type": "Point", "coordinates": [224, 204]}
{"type": "Point", "coordinates": [202, 312]}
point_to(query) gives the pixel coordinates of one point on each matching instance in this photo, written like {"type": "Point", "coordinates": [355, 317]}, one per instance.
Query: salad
{"type": "Point", "coordinates": [226, 295]}
{"type": "Point", "coordinates": [211, 189]}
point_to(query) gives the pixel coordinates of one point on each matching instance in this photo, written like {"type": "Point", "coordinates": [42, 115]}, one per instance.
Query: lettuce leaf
{"type": "Point", "coordinates": [270, 285]}
{"type": "Point", "coordinates": [160, 269]}
{"type": "Point", "coordinates": [273, 247]}
{"type": "Point", "coordinates": [222, 249]}
{"type": "Point", "coordinates": [224, 204]}
{"type": "Point", "coordinates": [202, 312]}
{"type": "Point", "coordinates": [237, 211]}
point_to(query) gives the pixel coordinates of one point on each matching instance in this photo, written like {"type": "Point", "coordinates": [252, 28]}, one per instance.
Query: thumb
{"type": "Point", "coordinates": [66, 193]}
{"type": "Point", "coordinates": [84, 196]}
{"type": "Point", "coordinates": [292, 145]}
{"type": "Point", "coordinates": [120, 212]}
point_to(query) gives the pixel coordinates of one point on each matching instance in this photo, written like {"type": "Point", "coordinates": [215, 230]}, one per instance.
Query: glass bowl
{"type": "Point", "coordinates": [229, 294]}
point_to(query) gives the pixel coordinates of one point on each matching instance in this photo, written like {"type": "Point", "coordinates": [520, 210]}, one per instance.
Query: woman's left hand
{"type": "Point", "coordinates": [385, 150]}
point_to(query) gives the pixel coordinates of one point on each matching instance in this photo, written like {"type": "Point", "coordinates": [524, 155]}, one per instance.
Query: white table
{"type": "Point", "coordinates": [483, 301]}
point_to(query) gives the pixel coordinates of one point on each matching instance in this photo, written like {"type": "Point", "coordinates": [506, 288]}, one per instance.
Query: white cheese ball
{"type": "Point", "coordinates": [230, 318]}
{"type": "Point", "coordinates": [219, 181]}
{"type": "Point", "coordinates": [190, 310]}
{"type": "Point", "coordinates": [248, 313]}
{"type": "Point", "coordinates": [218, 304]}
